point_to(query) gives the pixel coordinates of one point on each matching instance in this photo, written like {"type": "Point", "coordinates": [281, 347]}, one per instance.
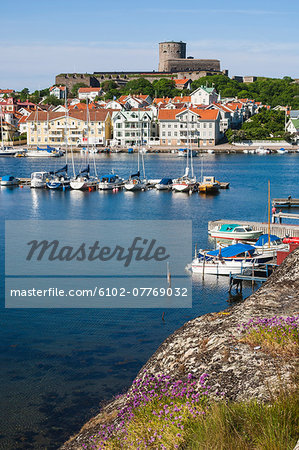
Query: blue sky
{"type": "Point", "coordinates": [40, 38]}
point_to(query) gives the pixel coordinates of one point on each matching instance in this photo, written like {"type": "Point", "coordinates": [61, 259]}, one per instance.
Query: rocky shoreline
{"type": "Point", "coordinates": [210, 344]}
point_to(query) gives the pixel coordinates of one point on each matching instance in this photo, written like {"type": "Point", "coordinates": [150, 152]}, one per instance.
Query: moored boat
{"type": "Point", "coordinates": [39, 179]}
{"type": "Point", "coordinates": [209, 184]}
{"type": "Point", "coordinates": [110, 182]}
{"type": "Point", "coordinates": [9, 180]}
{"type": "Point", "coordinates": [164, 185]}
{"type": "Point", "coordinates": [224, 261]}
{"type": "Point", "coordinates": [235, 232]}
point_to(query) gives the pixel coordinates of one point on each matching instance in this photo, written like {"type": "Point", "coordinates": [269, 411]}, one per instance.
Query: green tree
{"type": "Point", "coordinates": [139, 86]}
{"type": "Point", "coordinates": [24, 94]}
{"type": "Point", "coordinates": [75, 88]}
{"type": "Point", "coordinates": [108, 85]}
{"type": "Point", "coordinates": [52, 100]}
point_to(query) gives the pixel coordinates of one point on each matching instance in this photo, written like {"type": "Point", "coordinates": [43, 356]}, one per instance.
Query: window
{"type": "Point", "coordinates": [163, 134]}
{"type": "Point", "coordinates": [205, 125]}
{"type": "Point", "coordinates": [169, 125]}
{"type": "Point", "coordinates": [175, 133]}
{"type": "Point", "coordinates": [169, 133]}
{"type": "Point", "coordinates": [210, 125]}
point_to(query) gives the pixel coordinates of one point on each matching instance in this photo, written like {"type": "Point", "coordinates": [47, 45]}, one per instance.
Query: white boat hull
{"type": "Point", "coordinates": [83, 184]}
{"type": "Point", "coordinates": [220, 267]}
{"type": "Point", "coordinates": [135, 186]}
{"type": "Point", "coordinates": [183, 187]}
{"type": "Point", "coordinates": [108, 186]}
{"type": "Point", "coordinates": [248, 236]}
{"type": "Point", "coordinates": [9, 183]}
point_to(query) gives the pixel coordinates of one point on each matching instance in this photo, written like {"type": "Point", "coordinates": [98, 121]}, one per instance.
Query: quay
{"type": "Point", "coordinates": [259, 275]}
{"type": "Point", "coordinates": [286, 202]}
{"type": "Point", "coordinates": [280, 230]}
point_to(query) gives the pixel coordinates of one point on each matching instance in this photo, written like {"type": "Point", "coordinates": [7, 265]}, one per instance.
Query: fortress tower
{"type": "Point", "coordinates": [170, 50]}
{"type": "Point", "coordinates": [172, 59]}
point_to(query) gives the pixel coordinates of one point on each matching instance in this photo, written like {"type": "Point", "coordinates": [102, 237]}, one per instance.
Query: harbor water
{"type": "Point", "coordinates": [58, 366]}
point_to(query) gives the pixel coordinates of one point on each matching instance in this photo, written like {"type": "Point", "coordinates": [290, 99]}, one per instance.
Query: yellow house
{"type": "Point", "coordinates": [78, 127]}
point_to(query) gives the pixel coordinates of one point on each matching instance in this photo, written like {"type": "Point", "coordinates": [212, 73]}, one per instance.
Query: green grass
{"type": "Point", "coordinates": [225, 426]}
{"type": "Point", "coordinates": [247, 425]}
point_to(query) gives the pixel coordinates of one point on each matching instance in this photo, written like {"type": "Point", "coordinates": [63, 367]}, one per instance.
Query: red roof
{"type": "Point", "coordinates": [182, 81]}
{"type": "Point", "coordinates": [98, 115]}
{"type": "Point", "coordinates": [6, 91]}
{"type": "Point", "coordinates": [82, 90]}
{"type": "Point", "coordinates": [182, 99]}
{"type": "Point", "coordinates": [62, 88]}
{"type": "Point", "coordinates": [171, 114]}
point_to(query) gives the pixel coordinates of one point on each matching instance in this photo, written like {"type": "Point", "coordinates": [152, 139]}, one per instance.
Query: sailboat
{"type": "Point", "coordinates": [135, 183]}
{"type": "Point", "coordinates": [84, 181]}
{"type": "Point", "coordinates": [186, 183]}
{"type": "Point", "coordinates": [60, 179]}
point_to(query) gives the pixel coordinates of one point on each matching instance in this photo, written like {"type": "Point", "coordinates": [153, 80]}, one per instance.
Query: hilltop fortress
{"type": "Point", "coordinates": [173, 64]}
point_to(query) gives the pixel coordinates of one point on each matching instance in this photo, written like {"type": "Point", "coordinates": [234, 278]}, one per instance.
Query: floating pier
{"type": "Point", "coordinates": [286, 202]}
{"type": "Point", "coordinates": [279, 229]}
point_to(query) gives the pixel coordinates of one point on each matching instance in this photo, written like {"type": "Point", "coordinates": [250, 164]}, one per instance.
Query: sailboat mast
{"type": "Point", "coordinates": [269, 227]}
{"type": "Point", "coordinates": [191, 156]}
{"type": "Point", "coordinates": [1, 127]}
{"type": "Point", "coordinates": [66, 125]}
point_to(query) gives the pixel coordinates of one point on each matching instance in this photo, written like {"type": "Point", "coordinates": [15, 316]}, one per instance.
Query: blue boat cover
{"type": "Point", "coordinates": [166, 181]}
{"type": "Point", "coordinates": [232, 250]}
{"type": "Point", "coordinates": [228, 226]}
{"type": "Point", "coordinates": [7, 178]}
{"type": "Point", "coordinates": [130, 150]}
{"type": "Point", "coordinates": [264, 238]}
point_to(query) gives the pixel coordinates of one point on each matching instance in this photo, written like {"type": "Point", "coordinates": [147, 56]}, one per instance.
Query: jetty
{"type": "Point", "coordinates": [279, 229]}
{"type": "Point", "coordinates": [286, 202]}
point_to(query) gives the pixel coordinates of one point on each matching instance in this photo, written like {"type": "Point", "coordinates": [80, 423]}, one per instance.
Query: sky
{"type": "Point", "coordinates": [41, 38]}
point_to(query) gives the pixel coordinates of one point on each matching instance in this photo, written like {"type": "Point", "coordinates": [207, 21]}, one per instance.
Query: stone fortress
{"type": "Point", "coordinates": [173, 64]}
{"type": "Point", "coordinates": [172, 58]}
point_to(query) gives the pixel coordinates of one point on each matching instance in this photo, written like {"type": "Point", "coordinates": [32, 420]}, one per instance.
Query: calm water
{"type": "Point", "coordinates": [57, 366]}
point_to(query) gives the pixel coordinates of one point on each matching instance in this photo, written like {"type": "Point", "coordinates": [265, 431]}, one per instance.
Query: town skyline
{"type": "Point", "coordinates": [54, 38]}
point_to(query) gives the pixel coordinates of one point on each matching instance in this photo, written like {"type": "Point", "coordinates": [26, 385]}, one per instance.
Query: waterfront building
{"type": "Point", "coordinates": [194, 125]}
{"type": "Point", "coordinates": [50, 128]}
{"type": "Point", "coordinates": [58, 91]}
{"type": "Point", "coordinates": [204, 96]}
{"type": "Point", "coordinates": [89, 93]}
{"type": "Point", "coordinates": [293, 128]}
{"type": "Point", "coordinates": [130, 128]}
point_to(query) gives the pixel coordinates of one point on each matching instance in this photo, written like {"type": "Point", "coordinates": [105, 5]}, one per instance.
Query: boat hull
{"type": "Point", "coordinates": [248, 236]}
{"type": "Point", "coordinates": [134, 187]}
{"type": "Point", "coordinates": [183, 187]}
{"type": "Point", "coordinates": [220, 267]}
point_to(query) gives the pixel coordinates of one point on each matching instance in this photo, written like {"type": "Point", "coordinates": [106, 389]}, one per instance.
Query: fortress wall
{"type": "Point", "coordinates": [185, 65]}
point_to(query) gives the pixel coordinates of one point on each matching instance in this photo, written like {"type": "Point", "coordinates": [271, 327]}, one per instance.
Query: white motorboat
{"type": "Point", "coordinates": [228, 260]}
{"type": "Point", "coordinates": [262, 151]}
{"type": "Point", "coordinates": [9, 180]}
{"type": "Point", "coordinates": [282, 151]}
{"type": "Point", "coordinates": [184, 184]}
{"type": "Point", "coordinates": [7, 151]}
{"type": "Point", "coordinates": [110, 182]}
{"type": "Point", "coordinates": [269, 244]}
{"type": "Point", "coordinates": [235, 232]}
{"type": "Point", "coordinates": [43, 153]}
{"type": "Point", "coordinates": [39, 179]}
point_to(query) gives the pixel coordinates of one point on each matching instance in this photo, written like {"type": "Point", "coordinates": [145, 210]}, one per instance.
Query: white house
{"type": "Point", "coordinates": [204, 96]}
{"type": "Point", "coordinates": [189, 125]}
{"type": "Point", "coordinates": [135, 127]}
{"type": "Point", "coordinates": [58, 91]}
{"type": "Point", "coordinates": [114, 104]}
{"type": "Point", "coordinates": [89, 93]}
{"type": "Point", "coordinates": [293, 127]}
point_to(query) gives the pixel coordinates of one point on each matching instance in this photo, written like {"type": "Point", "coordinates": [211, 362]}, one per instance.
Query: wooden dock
{"type": "Point", "coordinates": [285, 202]}
{"type": "Point", "coordinates": [279, 229]}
